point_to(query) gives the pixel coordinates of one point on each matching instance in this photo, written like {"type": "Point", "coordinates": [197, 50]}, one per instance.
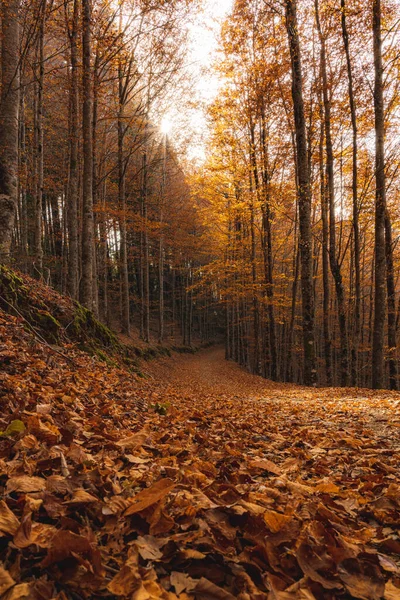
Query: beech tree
{"type": "Point", "coordinates": [304, 190]}
{"type": "Point", "coordinates": [9, 105]}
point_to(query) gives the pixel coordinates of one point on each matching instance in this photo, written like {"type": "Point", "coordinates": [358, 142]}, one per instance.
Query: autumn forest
{"type": "Point", "coordinates": [287, 229]}
{"type": "Point", "coordinates": [199, 299]}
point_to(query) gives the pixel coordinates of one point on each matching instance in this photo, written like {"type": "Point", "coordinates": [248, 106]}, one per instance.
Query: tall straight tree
{"type": "Point", "coordinates": [39, 150]}
{"type": "Point", "coordinates": [304, 193]}
{"type": "Point", "coordinates": [334, 259]}
{"type": "Point", "coordinates": [9, 107]}
{"type": "Point", "coordinates": [380, 206]}
{"type": "Point", "coordinates": [86, 294]}
{"type": "Point", "coordinates": [354, 188]}
{"type": "Point", "coordinates": [73, 166]}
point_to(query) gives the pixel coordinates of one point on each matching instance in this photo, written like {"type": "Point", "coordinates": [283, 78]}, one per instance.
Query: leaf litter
{"type": "Point", "coordinates": [239, 489]}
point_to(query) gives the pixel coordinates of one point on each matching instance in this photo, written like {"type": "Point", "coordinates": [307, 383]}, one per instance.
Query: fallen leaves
{"type": "Point", "coordinates": [291, 496]}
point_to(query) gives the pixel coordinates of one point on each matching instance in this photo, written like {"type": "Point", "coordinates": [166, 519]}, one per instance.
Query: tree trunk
{"type": "Point", "coordinates": [325, 260]}
{"type": "Point", "coordinates": [73, 172]}
{"type": "Point", "coordinates": [122, 207]}
{"type": "Point", "coordinates": [378, 378]}
{"type": "Point", "coordinates": [87, 182]}
{"type": "Point", "coordinates": [38, 203]}
{"type": "Point", "coordinates": [356, 229]}
{"type": "Point", "coordinates": [333, 252]}
{"type": "Point", "coordinates": [267, 252]}
{"type": "Point", "coordinates": [9, 106]}
{"type": "Point", "coordinates": [161, 246]}
{"type": "Point", "coordinates": [391, 300]}
{"type": "Point", "coordinates": [304, 193]}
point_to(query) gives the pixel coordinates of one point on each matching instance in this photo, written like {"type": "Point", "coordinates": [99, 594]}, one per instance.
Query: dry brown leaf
{"type": "Point", "coordinates": [368, 585]}
{"type": "Point", "coordinates": [25, 484]}
{"type": "Point", "coordinates": [264, 464]}
{"type": "Point", "coordinates": [150, 496]}
{"type": "Point", "coordinates": [149, 547]}
{"type": "Point", "coordinates": [327, 488]}
{"type": "Point", "coordinates": [6, 581]}
{"type": "Point", "coordinates": [206, 590]}
{"type": "Point", "coordinates": [275, 521]}
{"type": "Point", "coordinates": [182, 582]}
{"type": "Point", "coordinates": [8, 521]}
{"type": "Point", "coordinates": [81, 497]}
{"type": "Point", "coordinates": [391, 591]}
{"type": "Point", "coordinates": [18, 592]}
{"type": "Point", "coordinates": [46, 432]}
{"type": "Point", "coordinates": [134, 441]}
{"type": "Point", "coordinates": [125, 582]}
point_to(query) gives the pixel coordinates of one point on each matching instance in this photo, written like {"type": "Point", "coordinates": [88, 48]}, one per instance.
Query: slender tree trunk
{"type": "Point", "coordinates": [325, 262]}
{"type": "Point", "coordinates": [267, 251]}
{"type": "Point", "coordinates": [38, 203]}
{"type": "Point", "coordinates": [9, 106]}
{"type": "Point", "coordinates": [145, 252]}
{"type": "Point", "coordinates": [378, 373]}
{"type": "Point", "coordinates": [391, 300]}
{"type": "Point", "coordinates": [122, 206]}
{"type": "Point", "coordinates": [161, 246]}
{"type": "Point", "coordinates": [333, 251]}
{"type": "Point", "coordinates": [73, 170]}
{"type": "Point", "coordinates": [253, 257]}
{"type": "Point", "coordinates": [86, 294]}
{"type": "Point", "coordinates": [304, 192]}
{"type": "Point", "coordinates": [356, 229]}
{"type": "Point", "coordinates": [23, 169]}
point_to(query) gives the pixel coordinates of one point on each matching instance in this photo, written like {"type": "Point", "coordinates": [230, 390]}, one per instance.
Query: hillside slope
{"type": "Point", "coordinates": [199, 481]}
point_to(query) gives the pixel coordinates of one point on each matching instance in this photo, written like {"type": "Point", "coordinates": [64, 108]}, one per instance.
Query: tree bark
{"type": "Point", "coordinates": [391, 301]}
{"type": "Point", "coordinates": [378, 378]}
{"type": "Point", "coordinates": [333, 252]}
{"type": "Point", "coordinates": [73, 172]}
{"type": "Point", "coordinates": [304, 193]}
{"type": "Point", "coordinates": [356, 229]}
{"type": "Point", "coordinates": [325, 260]}
{"type": "Point", "coordinates": [39, 156]}
{"type": "Point", "coordinates": [9, 108]}
{"type": "Point", "coordinates": [87, 181]}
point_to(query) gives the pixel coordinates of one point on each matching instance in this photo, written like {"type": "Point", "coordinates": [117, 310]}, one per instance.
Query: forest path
{"type": "Point", "coordinates": [207, 372]}
{"type": "Point", "coordinates": [207, 376]}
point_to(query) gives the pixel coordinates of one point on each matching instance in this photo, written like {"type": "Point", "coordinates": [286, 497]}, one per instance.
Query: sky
{"type": "Point", "coordinates": [188, 124]}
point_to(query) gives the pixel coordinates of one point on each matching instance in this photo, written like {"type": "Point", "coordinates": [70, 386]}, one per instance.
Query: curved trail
{"type": "Point", "coordinates": [208, 372]}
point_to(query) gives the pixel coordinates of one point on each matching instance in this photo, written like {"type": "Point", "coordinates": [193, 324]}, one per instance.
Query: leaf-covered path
{"type": "Point", "coordinates": [200, 481]}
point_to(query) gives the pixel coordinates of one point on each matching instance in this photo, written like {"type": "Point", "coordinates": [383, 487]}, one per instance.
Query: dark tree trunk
{"type": "Point", "coordinates": [356, 229]}
{"type": "Point", "coordinates": [378, 378]}
{"type": "Point", "coordinates": [391, 300]}
{"type": "Point", "coordinates": [9, 105]}
{"type": "Point", "coordinates": [304, 193]}
{"type": "Point", "coordinates": [333, 251]}
{"type": "Point", "coordinates": [73, 170]}
{"type": "Point", "coordinates": [325, 261]}
{"type": "Point", "coordinates": [86, 294]}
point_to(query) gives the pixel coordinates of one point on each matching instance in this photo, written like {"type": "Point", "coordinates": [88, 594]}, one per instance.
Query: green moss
{"type": "Point", "coordinates": [47, 323]}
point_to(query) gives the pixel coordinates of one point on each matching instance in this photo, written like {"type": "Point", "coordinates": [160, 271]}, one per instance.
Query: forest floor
{"type": "Point", "coordinates": [198, 481]}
